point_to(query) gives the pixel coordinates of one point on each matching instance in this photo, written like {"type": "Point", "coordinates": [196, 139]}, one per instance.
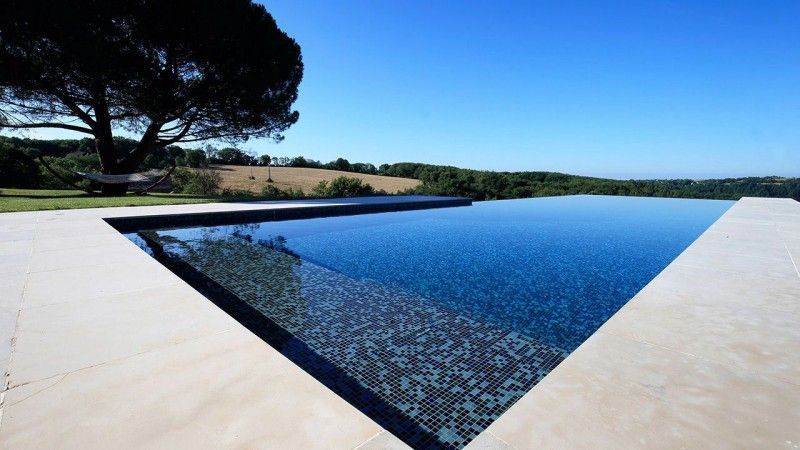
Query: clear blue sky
{"type": "Point", "coordinates": [620, 89]}
{"type": "Point", "coordinates": [624, 89]}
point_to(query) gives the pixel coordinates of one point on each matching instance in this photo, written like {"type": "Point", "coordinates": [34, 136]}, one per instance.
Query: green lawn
{"type": "Point", "coordinates": [39, 199]}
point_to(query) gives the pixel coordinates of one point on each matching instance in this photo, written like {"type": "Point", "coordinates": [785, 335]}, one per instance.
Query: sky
{"type": "Point", "coordinates": [641, 89]}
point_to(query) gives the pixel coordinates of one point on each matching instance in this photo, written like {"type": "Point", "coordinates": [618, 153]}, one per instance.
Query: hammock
{"type": "Point", "coordinates": [151, 178]}
{"type": "Point", "coordinates": [102, 178]}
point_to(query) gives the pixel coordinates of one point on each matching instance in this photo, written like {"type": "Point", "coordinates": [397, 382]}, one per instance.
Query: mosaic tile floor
{"type": "Point", "coordinates": [432, 377]}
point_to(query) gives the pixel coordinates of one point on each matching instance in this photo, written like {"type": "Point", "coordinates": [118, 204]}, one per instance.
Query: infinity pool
{"type": "Point", "coordinates": [435, 322]}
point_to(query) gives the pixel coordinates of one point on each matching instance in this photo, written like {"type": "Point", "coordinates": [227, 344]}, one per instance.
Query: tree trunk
{"type": "Point", "coordinates": [114, 189]}
{"type": "Point", "coordinates": [109, 165]}
{"type": "Point", "coordinates": [107, 154]}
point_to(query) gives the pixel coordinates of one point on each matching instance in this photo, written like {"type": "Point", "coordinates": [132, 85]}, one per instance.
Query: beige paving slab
{"type": "Point", "coordinates": [789, 226]}
{"type": "Point", "coordinates": [46, 243]}
{"type": "Point", "coordinates": [17, 225]}
{"type": "Point", "coordinates": [789, 238]}
{"type": "Point", "coordinates": [67, 229]}
{"type": "Point", "coordinates": [81, 283]}
{"type": "Point", "coordinates": [8, 323]}
{"type": "Point", "coordinates": [785, 216]}
{"type": "Point", "coordinates": [618, 393]}
{"type": "Point", "coordinates": [722, 243]}
{"type": "Point", "coordinates": [116, 252]}
{"type": "Point", "coordinates": [488, 441]}
{"type": "Point", "coordinates": [14, 264]}
{"type": "Point", "coordinates": [794, 251]}
{"type": "Point", "coordinates": [770, 239]}
{"type": "Point", "coordinates": [19, 217]}
{"type": "Point", "coordinates": [743, 229]}
{"type": "Point", "coordinates": [778, 267]}
{"type": "Point", "coordinates": [384, 441]}
{"type": "Point", "coordinates": [18, 235]}
{"type": "Point", "coordinates": [15, 247]}
{"type": "Point", "coordinates": [708, 286]}
{"type": "Point", "coordinates": [12, 288]}
{"type": "Point", "coordinates": [61, 338]}
{"type": "Point", "coordinates": [762, 340]}
{"type": "Point", "coordinates": [227, 390]}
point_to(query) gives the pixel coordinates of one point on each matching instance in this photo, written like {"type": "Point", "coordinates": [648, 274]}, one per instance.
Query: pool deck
{"type": "Point", "coordinates": [106, 348]}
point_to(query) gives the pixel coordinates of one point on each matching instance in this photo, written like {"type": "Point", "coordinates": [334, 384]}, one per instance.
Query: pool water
{"type": "Point", "coordinates": [434, 322]}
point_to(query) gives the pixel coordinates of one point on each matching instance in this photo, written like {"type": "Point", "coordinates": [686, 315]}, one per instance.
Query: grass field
{"type": "Point", "coordinates": [233, 177]}
{"type": "Point", "coordinates": [238, 177]}
{"type": "Point", "coordinates": [39, 199]}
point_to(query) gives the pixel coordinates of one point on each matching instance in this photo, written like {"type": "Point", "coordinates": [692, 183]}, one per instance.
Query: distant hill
{"type": "Point", "coordinates": [407, 177]}
{"type": "Point", "coordinates": [487, 185]}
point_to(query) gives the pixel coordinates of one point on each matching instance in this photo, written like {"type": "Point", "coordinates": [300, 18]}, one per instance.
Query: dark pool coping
{"type": "Point", "coordinates": [303, 210]}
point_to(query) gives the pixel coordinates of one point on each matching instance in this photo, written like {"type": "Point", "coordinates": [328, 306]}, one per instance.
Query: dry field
{"type": "Point", "coordinates": [238, 177]}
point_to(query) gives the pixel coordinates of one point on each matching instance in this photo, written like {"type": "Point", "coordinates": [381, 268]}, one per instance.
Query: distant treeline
{"type": "Point", "coordinates": [191, 157]}
{"type": "Point", "coordinates": [486, 185]}
{"type": "Point", "coordinates": [17, 170]}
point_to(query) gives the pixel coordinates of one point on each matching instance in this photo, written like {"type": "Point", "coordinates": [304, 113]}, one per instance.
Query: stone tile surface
{"type": "Point", "coordinates": [15, 247]}
{"type": "Point", "coordinates": [82, 283]}
{"type": "Point", "coordinates": [114, 252]}
{"type": "Point", "coordinates": [384, 441]}
{"type": "Point", "coordinates": [760, 339]}
{"type": "Point", "coordinates": [62, 338]}
{"type": "Point", "coordinates": [8, 324]}
{"type": "Point", "coordinates": [708, 286]}
{"type": "Point", "coordinates": [14, 264]}
{"type": "Point", "coordinates": [227, 390]}
{"type": "Point", "coordinates": [488, 441]}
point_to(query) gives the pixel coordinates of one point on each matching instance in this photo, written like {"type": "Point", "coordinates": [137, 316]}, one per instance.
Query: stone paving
{"type": "Point", "coordinates": [106, 348]}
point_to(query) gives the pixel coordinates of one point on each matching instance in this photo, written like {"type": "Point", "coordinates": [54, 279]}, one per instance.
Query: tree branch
{"type": "Point", "coordinates": [177, 137]}
{"type": "Point", "coordinates": [83, 115]}
{"type": "Point", "coordinates": [146, 144]}
{"type": "Point", "coordinates": [51, 111]}
{"type": "Point", "coordinates": [49, 125]}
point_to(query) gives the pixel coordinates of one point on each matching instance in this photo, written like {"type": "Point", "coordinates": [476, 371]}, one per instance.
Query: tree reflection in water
{"type": "Point", "coordinates": [276, 243]}
{"type": "Point", "coordinates": [262, 273]}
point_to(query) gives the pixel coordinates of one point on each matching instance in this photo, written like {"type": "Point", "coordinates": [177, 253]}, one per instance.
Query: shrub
{"type": "Point", "coordinates": [192, 158]}
{"type": "Point", "coordinates": [237, 194]}
{"type": "Point", "coordinates": [272, 192]}
{"type": "Point", "coordinates": [65, 166]}
{"type": "Point", "coordinates": [343, 187]}
{"type": "Point", "coordinates": [197, 181]}
{"type": "Point", "coordinates": [17, 169]}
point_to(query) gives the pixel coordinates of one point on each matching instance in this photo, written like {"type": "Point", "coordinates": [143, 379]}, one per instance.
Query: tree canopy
{"type": "Point", "coordinates": [169, 72]}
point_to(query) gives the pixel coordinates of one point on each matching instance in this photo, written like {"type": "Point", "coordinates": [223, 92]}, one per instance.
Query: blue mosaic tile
{"type": "Point", "coordinates": [431, 376]}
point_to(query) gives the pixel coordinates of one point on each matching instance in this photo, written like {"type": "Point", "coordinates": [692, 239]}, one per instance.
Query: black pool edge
{"type": "Point", "coordinates": [136, 223]}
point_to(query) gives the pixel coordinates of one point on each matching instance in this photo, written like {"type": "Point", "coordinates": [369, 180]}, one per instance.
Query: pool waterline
{"type": "Point", "coordinates": [393, 310]}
